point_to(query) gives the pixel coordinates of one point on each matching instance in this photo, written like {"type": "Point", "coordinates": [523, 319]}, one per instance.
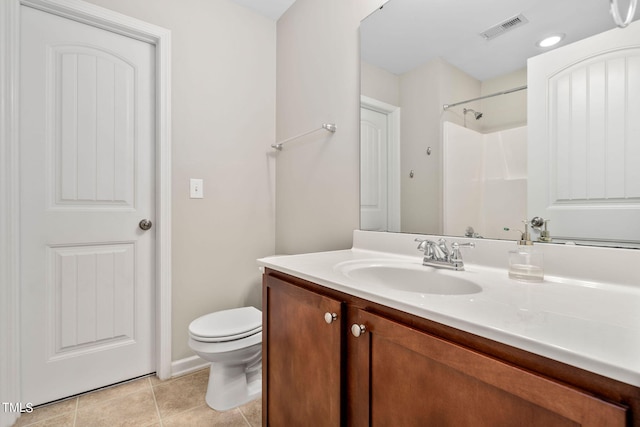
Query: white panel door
{"type": "Point", "coordinates": [584, 137]}
{"type": "Point", "coordinates": [373, 170]}
{"type": "Point", "coordinates": [87, 175]}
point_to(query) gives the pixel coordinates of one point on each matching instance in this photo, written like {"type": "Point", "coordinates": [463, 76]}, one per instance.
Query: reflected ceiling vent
{"type": "Point", "coordinates": [503, 27]}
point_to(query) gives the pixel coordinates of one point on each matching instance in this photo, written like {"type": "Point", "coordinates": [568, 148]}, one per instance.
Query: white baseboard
{"type": "Point", "coordinates": [187, 365]}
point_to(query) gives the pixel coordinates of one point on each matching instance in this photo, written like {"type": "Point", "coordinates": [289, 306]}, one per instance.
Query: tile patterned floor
{"type": "Point", "coordinates": [144, 402]}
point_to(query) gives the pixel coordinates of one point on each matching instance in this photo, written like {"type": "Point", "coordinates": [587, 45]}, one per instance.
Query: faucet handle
{"type": "Point", "coordinates": [424, 243]}
{"type": "Point", "coordinates": [428, 247]}
{"type": "Point", "coordinates": [455, 248]}
{"type": "Point", "coordinates": [456, 245]}
{"type": "Point", "coordinates": [456, 256]}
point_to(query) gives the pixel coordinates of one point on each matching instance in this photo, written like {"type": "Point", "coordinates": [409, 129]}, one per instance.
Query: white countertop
{"type": "Point", "coordinates": [591, 325]}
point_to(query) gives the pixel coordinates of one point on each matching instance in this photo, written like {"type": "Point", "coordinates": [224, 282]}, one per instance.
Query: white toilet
{"type": "Point", "coordinates": [232, 341]}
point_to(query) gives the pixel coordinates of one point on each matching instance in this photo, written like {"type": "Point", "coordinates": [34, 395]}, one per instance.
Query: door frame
{"type": "Point", "coordinates": [10, 183]}
{"type": "Point", "coordinates": [393, 157]}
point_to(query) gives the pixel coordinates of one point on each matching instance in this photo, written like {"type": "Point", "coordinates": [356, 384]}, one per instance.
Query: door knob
{"type": "Point", "coordinates": [145, 224]}
{"type": "Point", "coordinates": [330, 317]}
{"type": "Point", "coordinates": [358, 330]}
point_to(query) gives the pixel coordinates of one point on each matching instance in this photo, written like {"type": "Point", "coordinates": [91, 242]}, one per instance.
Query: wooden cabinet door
{"type": "Point", "coordinates": [399, 376]}
{"type": "Point", "coordinates": [302, 357]}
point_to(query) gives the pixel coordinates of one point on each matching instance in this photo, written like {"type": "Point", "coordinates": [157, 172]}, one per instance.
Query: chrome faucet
{"type": "Point", "coordinates": [470, 232]}
{"type": "Point", "coordinates": [436, 254]}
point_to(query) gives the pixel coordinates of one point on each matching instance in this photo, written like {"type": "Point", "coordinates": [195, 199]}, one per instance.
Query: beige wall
{"type": "Point", "coordinates": [379, 84]}
{"type": "Point", "coordinates": [505, 111]}
{"type": "Point", "coordinates": [223, 89]}
{"type": "Point", "coordinates": [317, 177]}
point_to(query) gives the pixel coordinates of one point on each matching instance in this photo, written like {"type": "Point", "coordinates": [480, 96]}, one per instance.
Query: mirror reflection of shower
{"type": "Point", "coordinates": [476, 114]}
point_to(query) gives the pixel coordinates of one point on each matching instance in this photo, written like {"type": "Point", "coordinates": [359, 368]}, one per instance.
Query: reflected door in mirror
{"type": "Point", "coordinates": [373, 170]}
{"type": "Point", "coordinates": [584, 133]}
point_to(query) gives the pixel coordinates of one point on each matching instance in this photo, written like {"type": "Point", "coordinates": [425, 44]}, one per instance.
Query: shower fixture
{"type": "Point", "coordinates": [476, 114]}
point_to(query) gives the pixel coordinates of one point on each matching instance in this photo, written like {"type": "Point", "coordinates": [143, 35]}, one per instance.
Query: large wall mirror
{"type": "Point", "coordinates": [470, 126]}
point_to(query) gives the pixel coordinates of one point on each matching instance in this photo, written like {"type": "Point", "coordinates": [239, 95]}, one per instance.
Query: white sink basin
{"type": "Point", "coordinates": [409, 277]}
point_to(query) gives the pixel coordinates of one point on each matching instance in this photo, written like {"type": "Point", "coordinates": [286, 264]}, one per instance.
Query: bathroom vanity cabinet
{"type": "Point", "coordinates": [406, 370]}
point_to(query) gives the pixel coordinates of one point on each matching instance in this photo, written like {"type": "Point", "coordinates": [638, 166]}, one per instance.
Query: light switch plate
{"type": "Point", "coordinates": [196, 188]}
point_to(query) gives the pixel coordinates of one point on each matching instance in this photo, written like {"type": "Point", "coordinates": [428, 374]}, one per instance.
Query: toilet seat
{"type": "Point", "coordinates": [227, 325]}
{"type": "Point", "coordinates": [226, 338]}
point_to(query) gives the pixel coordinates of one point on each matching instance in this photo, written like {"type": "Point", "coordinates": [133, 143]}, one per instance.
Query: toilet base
{"type": "Point", "coordinates": [232, 386]}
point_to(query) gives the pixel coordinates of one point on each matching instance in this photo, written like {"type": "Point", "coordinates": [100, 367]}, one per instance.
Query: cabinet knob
{"type": "Point", "coordinates": [357, 330]}
{"type": "Point", "coordinates": [330, 317]}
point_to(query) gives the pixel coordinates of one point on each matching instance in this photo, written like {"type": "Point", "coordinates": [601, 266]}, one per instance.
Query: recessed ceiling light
{"type": "Point", "coordinates": [550, 41]}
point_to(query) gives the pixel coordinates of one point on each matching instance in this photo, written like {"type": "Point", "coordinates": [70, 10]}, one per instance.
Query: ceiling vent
{"type": "Point", "coordinates": [503, 27]}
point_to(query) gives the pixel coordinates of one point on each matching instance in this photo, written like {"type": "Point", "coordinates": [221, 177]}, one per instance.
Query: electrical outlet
{"type": "Point", "coordinates": [196, 187]}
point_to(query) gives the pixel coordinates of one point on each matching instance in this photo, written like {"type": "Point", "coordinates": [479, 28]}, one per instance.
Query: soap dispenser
{"type": "Point", "coordinates": [526, 261]}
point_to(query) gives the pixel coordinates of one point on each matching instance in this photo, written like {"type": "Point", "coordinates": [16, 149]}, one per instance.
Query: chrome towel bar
{"type": "Point", "coordinates": [330, 127]}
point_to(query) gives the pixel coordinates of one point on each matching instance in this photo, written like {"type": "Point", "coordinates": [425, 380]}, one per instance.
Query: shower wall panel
{"type": "Point", "coordinates": [485, 181]}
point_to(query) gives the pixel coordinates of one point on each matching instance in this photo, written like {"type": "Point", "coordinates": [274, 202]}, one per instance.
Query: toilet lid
{"type": "Point", "coordinates": [227, 325]}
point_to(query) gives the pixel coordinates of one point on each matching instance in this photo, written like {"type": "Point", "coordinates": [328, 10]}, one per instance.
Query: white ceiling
{"type": "Point", "coordinates": [270, 8]}
{"type": "Point", "coordinates": [407, 33]}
